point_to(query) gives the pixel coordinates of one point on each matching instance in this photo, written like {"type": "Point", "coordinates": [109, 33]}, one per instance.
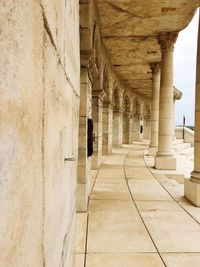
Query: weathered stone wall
{"type": "Point", "coordinates": [39, 122]}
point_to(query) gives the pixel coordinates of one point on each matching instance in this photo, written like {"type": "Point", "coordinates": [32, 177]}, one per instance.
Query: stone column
{"type": "Point", "coordinates": [117, 133]}
{"type": "Point", "coordinates": [97, 116]}
{"type": "Point", "coordinates": [153, 148]}
{"type": "Point", "coordinates": [107, 128]}
{"type": "Point", "coordinates": [192, 186]}
{"type": "Point", "coordinates": [165, 158]}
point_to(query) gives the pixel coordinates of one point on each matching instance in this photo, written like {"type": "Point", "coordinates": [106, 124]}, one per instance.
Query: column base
{"type": "Point", "coordinates": [192, 191]}
{"type": "Point", "coordinates": [153, 150]}
{"type": "Point", "coordinates": [165, 163]}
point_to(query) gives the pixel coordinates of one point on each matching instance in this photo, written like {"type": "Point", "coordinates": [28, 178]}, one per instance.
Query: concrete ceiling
{"type": "Point", "coordinates": [129, 30]}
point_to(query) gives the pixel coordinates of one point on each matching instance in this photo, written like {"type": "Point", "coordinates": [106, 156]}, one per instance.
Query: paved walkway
{"type": "Point", "coordinates": [137, 217]}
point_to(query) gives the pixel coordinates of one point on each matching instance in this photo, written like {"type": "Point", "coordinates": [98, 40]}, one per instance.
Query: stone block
{"type": "Point", "coordinates": [85, 37]}
{"type": "Point", "coordinates": [82, 197]}
{"type": "Point", "coordinates": [165, 163]}
{"type": "Point", "coordinates": [21, 135]}
{"type": "Point", "coordinates": [192, 191]}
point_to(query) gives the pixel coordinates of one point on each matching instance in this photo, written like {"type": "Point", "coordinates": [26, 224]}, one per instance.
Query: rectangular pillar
{"type": "Point", "coordinates": [84, 162]}
{"type": "Point", "coordinates": [107, 129]}
{"type": "Point", "coordinates": [117, 133]}
{"type": "Point", "coordinates": [97, 116]}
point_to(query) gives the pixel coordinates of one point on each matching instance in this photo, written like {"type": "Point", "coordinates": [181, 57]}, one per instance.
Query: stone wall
{"type": "Point", "coordinates": [39, 122]}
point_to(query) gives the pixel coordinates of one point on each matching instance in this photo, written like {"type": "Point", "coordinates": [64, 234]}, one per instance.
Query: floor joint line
{"type": "Point", "coordinates": [141, 215]}
{"type": "Point", "coordinates": [170, 193]}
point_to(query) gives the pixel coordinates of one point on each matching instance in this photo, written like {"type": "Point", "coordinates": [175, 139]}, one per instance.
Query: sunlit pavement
{"type": "Point", "coordinates": [137, 216]}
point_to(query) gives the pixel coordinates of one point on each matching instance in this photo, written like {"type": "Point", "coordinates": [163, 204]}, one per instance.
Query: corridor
{"type": "Point", "coordinates": [137, 216]}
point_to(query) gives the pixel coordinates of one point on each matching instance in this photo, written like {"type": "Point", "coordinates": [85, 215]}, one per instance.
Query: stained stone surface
{"type": "Point", "coordinates": [130, 29]}
{"type": "Point", "coordinates": [39, 126]}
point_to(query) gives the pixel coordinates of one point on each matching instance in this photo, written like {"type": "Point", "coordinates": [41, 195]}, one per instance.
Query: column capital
{"type": "Point", "coordinates": [166, 40]}
{"type": "Point", "coordinates": [155, 67]}
{"type": "Point", "coordinates": [108, 104]}
{"type": "Point", "coordinates": [98, 94]}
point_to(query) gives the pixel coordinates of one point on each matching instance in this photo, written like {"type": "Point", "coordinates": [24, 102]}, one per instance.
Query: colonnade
{"type": "Point", "coordinates": [163, 99]}
{"type": "Point", "coordinates": [120, 116]}
{"type": "Point", "coordinates": [117, 119]}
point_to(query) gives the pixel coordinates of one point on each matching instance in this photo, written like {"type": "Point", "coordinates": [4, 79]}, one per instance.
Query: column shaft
{"type": "Point", "coordinates": [155, 109]}
{"type": "Point", "coordinates": [164, 158]}
{"type": "Point", "coordinates": [192, 186]}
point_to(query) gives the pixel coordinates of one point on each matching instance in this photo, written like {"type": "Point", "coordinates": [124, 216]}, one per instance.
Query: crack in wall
{"type": "Point", "coordinates": [49, 33]}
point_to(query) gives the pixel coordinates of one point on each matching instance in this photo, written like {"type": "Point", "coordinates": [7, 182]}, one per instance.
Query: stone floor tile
{"type": "Point", "coordinates": [80, 258]}
{"type": "Point", "coordinates": [124, 260]}
{"type": "Point", "coordinates": [115, 227]}
{"type": "Point", "coordinates": [148, 189]}
{"type": "Point", "coordinates": [111, 167]}
{"type": "Point", "coordinates": [191, 209]}
{"type": "Point", "coordinates": [172, 229]}
{"type": "Point", "coordinates": [111, 189]}
{"type": "Point", "coordinates": [182, 259]}
{"type": "Point", "coordinates": [134, 163]}
{"type": "Point", "coordinates": [173, 187]}
{"type": "Point", "coordinates": [114, 159]}
{"type": "Point", "coordinates": [138, 173]}
{"type": "Point", "coordinates": [110, 172]}
{"type": "Point", "coordinates": [81, 225]}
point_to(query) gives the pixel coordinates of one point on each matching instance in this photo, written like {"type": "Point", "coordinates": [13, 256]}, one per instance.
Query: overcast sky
{"type": "Point", "coordinates": [185, 71]}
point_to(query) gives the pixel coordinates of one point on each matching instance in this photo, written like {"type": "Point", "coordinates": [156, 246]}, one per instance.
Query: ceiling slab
{"type": "Point", "coordinates": [129, 32]}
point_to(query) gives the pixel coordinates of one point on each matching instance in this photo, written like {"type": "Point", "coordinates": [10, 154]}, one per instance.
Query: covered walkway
{"type": "Point", "coordinates": [137, 216]}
